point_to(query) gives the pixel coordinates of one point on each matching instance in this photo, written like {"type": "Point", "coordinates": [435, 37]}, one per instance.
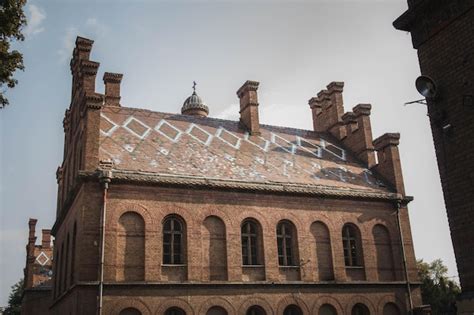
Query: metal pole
{"type": "Point", "coordinates": [105, 179]}
{"type": "Point", "coordinates": [405, 267]}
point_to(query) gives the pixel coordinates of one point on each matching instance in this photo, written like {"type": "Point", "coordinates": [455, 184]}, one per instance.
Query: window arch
{"type": "Point", "coordinates": [352, 245]}
{"type": "Point", "coordinates": [216, 310]}
{"type": "Point", "coordinates": [173, 241]}
{"type": "Point", "coordinates": [175, 311]}
{"type": "Point", "coordinates": [323, 251]}
{"type": "Point", "coordinates": [327, 309]}
{"type": "Point", "coordinates": [391, 309]}
{"type": "Point", "coordinates": [360, 309]}
{"type": "Point", "coordinates": [255, 310]}
{"type": "Point", "coordinates": [251, 238]}
{"type": "Point", "coordinates": [287, 244]}
{"type": "Point", "coordinates": [384, 254]}
{"type": "Point", "coordinates": [131, 247]}
{"type": "Point", "coordinates": [292, 310]}
{"type": "Point", "coordinates": [130, 311]}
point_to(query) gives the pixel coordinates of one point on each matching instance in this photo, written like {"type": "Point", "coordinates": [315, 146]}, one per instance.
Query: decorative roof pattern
{"type": "Point", "coordinates": [153, 142]}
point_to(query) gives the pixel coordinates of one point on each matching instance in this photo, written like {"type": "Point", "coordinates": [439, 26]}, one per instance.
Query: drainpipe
{"type": "Point", "coordinates": [105, 178]}
{"type": "Point", "coordinates": [405, 267]}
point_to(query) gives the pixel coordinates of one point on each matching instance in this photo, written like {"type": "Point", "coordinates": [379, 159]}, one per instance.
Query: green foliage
{"type": "Point", "coordinates": [12, 20]}
{"type": "Point", "coordinates": [436, 289]}
{"type": "Point", "coordinates": [14, 301]}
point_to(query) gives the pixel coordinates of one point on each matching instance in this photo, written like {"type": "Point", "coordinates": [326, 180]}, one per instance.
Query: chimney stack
{"type": "Point", "coordinates": [328, 109]}
{"type": "Point", "coordinates": [46, 239]}
{"type": "Point", "coordinates": [359, 133]}
{"type": "Point", "coordinates": [112, 88]}
{"type": "Point", "coordinates": [389, 165]}
{"type": "Point", "coordinates": [249, 107]}
{"type": "Point", "coordinates": [32, 231]}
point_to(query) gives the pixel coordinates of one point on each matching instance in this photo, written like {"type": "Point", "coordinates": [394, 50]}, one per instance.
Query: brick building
{"type": "Point", "coordinates": [442, 32]}
{"type": "Point", "coordinates": [37, 272]}
{"type": "Point", "coordinates": [162, 213]}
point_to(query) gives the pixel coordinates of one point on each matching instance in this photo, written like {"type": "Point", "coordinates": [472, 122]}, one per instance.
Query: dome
{"type": "Point", "coordinates": [194, 105]}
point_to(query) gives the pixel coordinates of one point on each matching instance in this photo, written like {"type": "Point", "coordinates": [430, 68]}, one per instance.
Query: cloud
{"type": "Point", "coordinates": [231, 112]}
{"type": "Point", "coordinates": [91, 28]}
{"type": "Point", "coordinates": [35, 18]}
{"type": "Point", "coordinates": [67, 43]}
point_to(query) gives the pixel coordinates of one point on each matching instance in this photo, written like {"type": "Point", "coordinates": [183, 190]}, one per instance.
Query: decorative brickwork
{"type": "Point", "coordinates": [206, 216]}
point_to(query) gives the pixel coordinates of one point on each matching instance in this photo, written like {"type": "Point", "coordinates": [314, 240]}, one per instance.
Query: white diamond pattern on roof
{"type": "Point", "coordinates": [163, 125]}
{"type": "Point", "coordinates": [228, 137]}
{"type": "Point", "coordinates": [109, 130]}
{"type": "Point", "coordinates": [140, 134]}
{"type": "Point", "coordinates": [42, 259]}
{"type": "Point", "coordinates": [194, 131]}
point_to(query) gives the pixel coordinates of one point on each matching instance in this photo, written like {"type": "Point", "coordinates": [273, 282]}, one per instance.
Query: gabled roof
{"type": "Point", "coordinates": [179, 145]}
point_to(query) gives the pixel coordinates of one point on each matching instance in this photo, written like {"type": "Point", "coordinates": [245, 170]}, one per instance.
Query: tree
{"type": "Point", "coordinates": [436, 288]}
{"type": "Point", "coordinates": [14, 301]}
{"type": "Point", "coordinates": [12, 20]}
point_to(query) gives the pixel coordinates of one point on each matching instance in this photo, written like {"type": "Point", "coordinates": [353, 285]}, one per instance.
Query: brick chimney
{"type": "Point", "coordinates": [83, 70]}
{"type": "Point", "coordinates": [112, 88]}
{"type": "Point", "coordinates": [389, 165]}
{"type": "Point", "coordinates": [359, 133]}
{"type": "Point", "coordinates": [249, 107]}
{"type": "Point", "coordinates": [46, 239]}
{"type": "Point", "coordinates": [327, 109]}
{"type": "Point", "coordinates": [32, 231]}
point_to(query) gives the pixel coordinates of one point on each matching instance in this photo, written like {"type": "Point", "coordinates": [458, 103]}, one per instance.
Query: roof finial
{"type": "Point", "coordinates": [194, 87]}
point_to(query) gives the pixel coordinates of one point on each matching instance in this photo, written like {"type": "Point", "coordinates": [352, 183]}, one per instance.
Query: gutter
{"type": "Point", "coordinates": [405, 266]}
{"type": "Point", "coordinates": [105, 179]}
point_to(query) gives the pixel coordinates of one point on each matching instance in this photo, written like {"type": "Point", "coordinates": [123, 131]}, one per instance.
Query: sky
{"type": "Point", "coordinates": [293, 48]}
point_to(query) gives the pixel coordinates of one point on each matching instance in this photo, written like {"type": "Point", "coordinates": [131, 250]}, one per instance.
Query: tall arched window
{"type": "Point", "coordinates": [175, 311]}
{"type": "Point", "coordinates": [352, 245]}
{"type": "Point", "coordinates": [66, 263]}
{"type": "Point", "coordinates": [214, 249]}
{"type": "Point", "coordinates": [391, 309]}
{"type": "Point", "coordinates": [323, 251]}
{"type": "Point", "coordinates": [131, 247]}
{"type": "Point", "coordinates": [384, 254]}
{"type": "Point", "coordinates": [327, 309]}
{"type": "Point", "coordinates": [216, 310]}
{"type": "Point", "coordinates": [130, 311]}
{"type": "Point", "coordinates": [173, 241]}
{"type": "Point", "coordinates": [255, 310]}
{"type": "Point", "coordinates": [292, 310]}
{"type": "Point", "coordinates": [360, 309]}
{"type": "Point", "coordinates": [251, 243]}
{"type": "Point", "coordinates": [286, 242]}
{"type": "Point", "coordinates": [73, 256]}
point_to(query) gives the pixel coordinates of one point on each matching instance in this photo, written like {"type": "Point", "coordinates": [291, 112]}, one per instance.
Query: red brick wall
{"type": "Point", "coordinates": [447, 58]}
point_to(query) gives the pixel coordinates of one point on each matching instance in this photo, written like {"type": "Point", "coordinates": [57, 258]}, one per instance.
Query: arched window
{"type": "Point", "coordinates": [214, 247]}
{"type": "Point", "coordinates": [251, 243]}
{"type": "Point", "coordinates": [173, 241]}
{"type": "Point", "coordinates": [73, 256]}
{"type": "Point", "coordinates": [360, 309]}
{"type": "Point", "coordinates": [384, 254]}
{"type": "Point", "coordinates": [130, 311]}
{"type": "Point", "coordinates": [216, 310]}
{"type": "Point", "coordinates": [131, 247]}
{"type": "Point", "coordinates": [292, 310]}
{"type": "Point", "coordinates": [391, 309]}
{"type": "Point", "coordinates": [175, 311]}
{"type": "Point", "coordinates": [286, 242]}
{"type": "Point", "coordinates": [352, 245]}
{"type": "Point", "coordinates": [255, 310]}
{"type": "Point", "coordinates": [66, 263]}
{"type": "Point", "coordinates": [323, 251]}
{"type": "Point", "coordinates": [327, 309]}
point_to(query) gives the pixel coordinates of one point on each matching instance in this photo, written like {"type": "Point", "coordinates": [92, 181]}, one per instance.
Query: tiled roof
{"type": "Point", "coordinates": [179, 145]}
